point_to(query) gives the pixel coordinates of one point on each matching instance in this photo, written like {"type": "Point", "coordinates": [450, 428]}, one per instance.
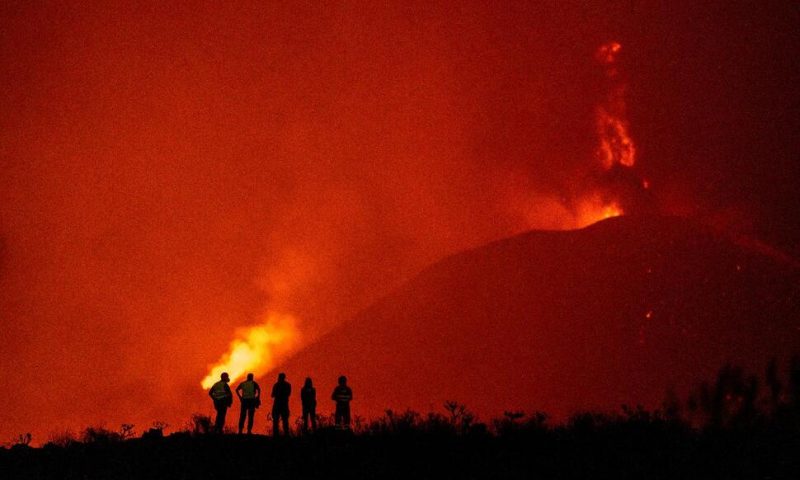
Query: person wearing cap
{"type": "Point", "coordinates": [249, 394]}
{"type": "Point", "coordinates": [222, 396]}
{"type": "Point", "coordinates": [280, 404]}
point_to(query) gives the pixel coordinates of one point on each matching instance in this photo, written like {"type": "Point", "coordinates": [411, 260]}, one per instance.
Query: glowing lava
{"type": "Point", "coordinates": [256, 349]}
{"type": "Point", "coordinates": [600, 197]}
{"type": "Point", "coordinates": [616, 146]}
{"type": "Point", "coordinates": [259, 348]}
{"type": "Point", "coordinates": [594, 209]}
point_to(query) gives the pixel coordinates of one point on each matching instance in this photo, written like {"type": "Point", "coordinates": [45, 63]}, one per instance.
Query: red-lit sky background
{"type": "Point", "coordinates": [171, 172]}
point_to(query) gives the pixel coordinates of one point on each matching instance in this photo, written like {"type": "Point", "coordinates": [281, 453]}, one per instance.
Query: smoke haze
{"type": "Point", "coordinates": [171, 174]}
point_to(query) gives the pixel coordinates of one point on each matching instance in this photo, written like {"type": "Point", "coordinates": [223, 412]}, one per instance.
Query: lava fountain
{"type": "Point", "coordinates": [616, 146]}
{"type": "Point", "coordinates": [256, 349]}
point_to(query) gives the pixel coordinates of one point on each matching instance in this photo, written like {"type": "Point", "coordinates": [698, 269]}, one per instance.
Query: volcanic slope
{"type": "Point", "coordinates": [615, 313]}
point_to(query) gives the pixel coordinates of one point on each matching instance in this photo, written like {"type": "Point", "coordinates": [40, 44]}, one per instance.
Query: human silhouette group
{"type": "Point", "coordinates": [249, 394]}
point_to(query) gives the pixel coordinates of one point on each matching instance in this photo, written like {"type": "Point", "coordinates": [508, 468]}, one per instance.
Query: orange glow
{"type": "Point", "coordinates": [607, 53]}
{"type": "Point", "coordinates": [256, 349]}
{"type": "Point", "coordinates": [616, 146]}
{"type": "Point", "coordinates": [544, 213]}
{"type": "Point", "coordinates": [594, 210]}
{"type": "Point", "coordinates": [191, 188]}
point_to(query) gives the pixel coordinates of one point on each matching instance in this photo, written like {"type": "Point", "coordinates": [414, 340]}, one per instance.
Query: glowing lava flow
{"type": "Point", "coordinates": [256, 349]}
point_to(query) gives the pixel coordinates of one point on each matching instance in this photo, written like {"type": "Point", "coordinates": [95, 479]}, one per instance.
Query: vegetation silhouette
{"type": "Point", "coordinates": [738, 426]}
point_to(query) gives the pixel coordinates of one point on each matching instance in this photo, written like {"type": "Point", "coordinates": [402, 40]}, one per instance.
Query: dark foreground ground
{"type": "Point", "coordinates": [739, 426]}
{"type": "Point", "coordinates": [585, 449]}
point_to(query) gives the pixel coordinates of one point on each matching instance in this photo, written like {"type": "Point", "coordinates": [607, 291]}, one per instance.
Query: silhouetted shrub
{"type": "Point", "coordinates": [23, 440]}
{"type": "Point", "coordinates": [325, 421]}
{"type": "Point", "coordinates": [509, 424]}
{"type": "Point", "coordinates": [126, 431]}
{"type": "Point", "coordinates": [460, 417]}
{"type": "Point", "coordinates": [63, 439]}
{"type": "Point", "coordinates": [100, 435]}
{"type": "Point", "coordinates": [392, 423]}
{"type": "Point", "coordinates": [437, 424]}
{"type": "Point", "coordinates": [199, 424]}
{"type": "Point", "coordinates": [748, 433]}
{"type": "Point", "coordinates": [537, 421]}
{"type": "Point", "coordinates": [159, 425]}
{"type": "Point", "coordinates": [584, 422]}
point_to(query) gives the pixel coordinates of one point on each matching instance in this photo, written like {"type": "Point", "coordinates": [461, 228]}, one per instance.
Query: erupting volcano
{"type": "Point", "coordinates": [258, 348]}
{"type": "Point", "coordinates": [617, 313]}
{"type": "Point", "coordinates": [508, 204]}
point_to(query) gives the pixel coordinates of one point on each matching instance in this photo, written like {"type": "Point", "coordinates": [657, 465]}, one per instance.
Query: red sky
{"type": "Point", "coordinates": [169, 172]}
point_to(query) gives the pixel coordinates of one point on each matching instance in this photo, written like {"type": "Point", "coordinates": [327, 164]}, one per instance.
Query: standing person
{"type": "Point", "coordinates": [249, 394]}
{"type": "Point", "coordinates": [308, 395]}
{"type": "Point", "coordinates": [342, 395]}
{"type": "Point", "coordinates": [280, 405]}
{"type": "Point", "coordinates": [222, 396]}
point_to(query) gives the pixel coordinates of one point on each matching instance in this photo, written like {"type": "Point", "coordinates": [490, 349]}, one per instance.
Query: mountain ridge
{"type": "Point", "coordinates": [617, 312]}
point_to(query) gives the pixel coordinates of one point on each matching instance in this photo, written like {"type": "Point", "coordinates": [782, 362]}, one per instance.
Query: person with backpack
{"type": "Point", "coordinates": [222, 396]}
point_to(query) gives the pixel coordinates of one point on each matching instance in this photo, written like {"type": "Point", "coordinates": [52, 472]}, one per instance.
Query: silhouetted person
{"type": "Point", "coordinates": [280, 405]}
{"type": "Point", "coordinates": [221, 393]}
{"type": "Point", "coordinates": [249, 394]}
{"type": "Point", "coordinates": [342, 395]}
{"type": "Point", "coordinates": [308, 395]}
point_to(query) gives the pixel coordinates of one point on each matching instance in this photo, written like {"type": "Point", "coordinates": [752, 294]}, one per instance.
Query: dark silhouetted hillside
{"type": "Point", "coordinates": [743, 432]}
{"type": "Point", "coordinates": [557, 321]}
{"type": "Point", "coordinates": [635, 444]}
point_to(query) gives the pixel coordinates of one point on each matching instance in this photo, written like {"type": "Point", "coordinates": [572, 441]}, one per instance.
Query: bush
{"type": "Point", "coordinates": [100, 435]}
{"type": "Point", "coordinates": [126, 431]}
{"type": "Point", "coordinates": [63, 439]}
{"type": "Point", "coordinates": [23, 440]}
{"type": "Point", "coordinates": [200, 424]}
